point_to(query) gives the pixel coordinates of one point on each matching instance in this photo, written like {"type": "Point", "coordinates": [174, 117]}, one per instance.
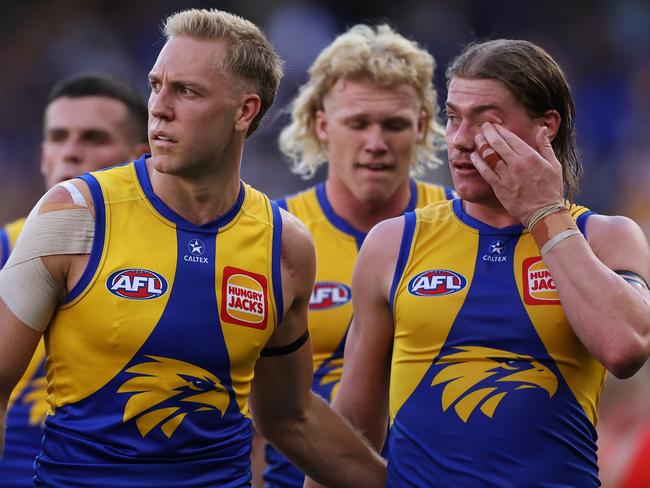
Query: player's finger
{"type": "Point", "coordinates": [503, 140]}
{"type": "Point", "coordinates": [483, 168]}
{"type": "Point", "coordinates": [488, 154]}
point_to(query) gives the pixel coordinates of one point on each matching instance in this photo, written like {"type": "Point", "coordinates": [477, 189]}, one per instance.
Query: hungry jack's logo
{"type": "Point", "coordinates": [243, 298]}
{"type": "Point", "coordinates": [539, 286]}
{"type": "Point", "coordinates": [477, 376]}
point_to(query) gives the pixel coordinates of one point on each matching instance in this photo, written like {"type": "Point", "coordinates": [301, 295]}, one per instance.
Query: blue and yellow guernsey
{"type": "Point", "coordinates": [489, 385]}
{"type": "Point", "coordinates": [27, 406]}
{"type": "Point", "coordinates": [8, 237]}
{"type": "Point", "coordinates": [150, 360]}
{"type": "Point", "coordinates": [330, 309]}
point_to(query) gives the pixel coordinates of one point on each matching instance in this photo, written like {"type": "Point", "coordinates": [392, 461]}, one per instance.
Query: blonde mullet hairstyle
{"type": "Point", "coordinates": [377, 54]}
{"type": "Point", "coordinates": [250, 57]}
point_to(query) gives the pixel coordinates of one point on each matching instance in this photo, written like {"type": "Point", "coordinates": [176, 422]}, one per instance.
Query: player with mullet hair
{"type": "Point", "coordinates": [173, 296]}
{"type": "Point", "coordinates": [369, 111]}
{"type": "Point", "coordinates": [91, 121]}
{"type": "Point", "coordinates": [487, 330]}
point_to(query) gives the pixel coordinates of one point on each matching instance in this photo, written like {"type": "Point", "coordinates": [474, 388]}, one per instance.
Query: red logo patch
{"type": "Point", "coordinates": [243, 298]}
{"type": "Point", "coordinates": [539, 287]}
{"type": "Point", "coordinates": [136, 284]}
{"type": "Point", "coordinates": [436, 282]}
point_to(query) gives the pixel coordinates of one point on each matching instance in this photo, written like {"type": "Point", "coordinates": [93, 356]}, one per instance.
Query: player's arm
{"type": "Point", "coordinates": [603, 286]}
{"type": "Point", "coordinates": [363, 393]}
{"type": "Point", "coordinates": [35, 278]}
{"type": "Point", "coordinates": [362, 397]}
{"type": "Point", "coordinates": [602, 282]}
{"type": "Point", "coordinates": [296, 421]}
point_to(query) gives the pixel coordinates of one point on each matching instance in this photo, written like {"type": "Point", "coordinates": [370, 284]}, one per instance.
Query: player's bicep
{"type": "Point", "coordinates": [283, 372]}
{"type": "Point", "coordinates": [17, 345]}
{"type": "Point", "coordinates": [35, 277]}
{"type": "Point", "coordinates": [363, 393]}
{"type": "Point", "coordinates": [627, 253]}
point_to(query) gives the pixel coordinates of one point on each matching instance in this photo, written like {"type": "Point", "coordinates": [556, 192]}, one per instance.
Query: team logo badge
{"type": "Point", "coordinates": [243, 298]}
{"type": "Point", "coordinates": [196, 250]}
{"type": "Point", "coordinates": [436, 282]}
{"type": "Point", "coordinates": [329, 294]}
{"type": "Point", "coordinates": [196, 247]}
{"type": "Point", "coordinates": [166, 391]}
{"type": "Point", "coordinates": [496, 252]}
{"type": "Point", "coordinates": [539, 286]}
{"type": "Point", "coordinates": [497, 248]}
{"type": "Point", "coordinates": [481, 377]}
{"type": "Point", "coordinates": [136, 284]}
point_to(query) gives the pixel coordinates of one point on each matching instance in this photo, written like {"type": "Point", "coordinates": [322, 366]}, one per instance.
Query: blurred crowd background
{"type": "Point", "coordinates": [603, 46]}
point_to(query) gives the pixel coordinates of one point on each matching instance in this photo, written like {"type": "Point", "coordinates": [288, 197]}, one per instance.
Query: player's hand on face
{"type": "Point", "coordinates": [523, 178]}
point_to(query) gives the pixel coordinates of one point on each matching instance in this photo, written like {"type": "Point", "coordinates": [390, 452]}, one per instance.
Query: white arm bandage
{"type": "Point", "coordinates": [26, 286]}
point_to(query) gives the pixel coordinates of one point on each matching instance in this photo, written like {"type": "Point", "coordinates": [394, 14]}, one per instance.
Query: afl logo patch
{"type": "Point", "coordinates": [243, 298]}
{"type": "Point", "coordinates": [539, 286]}
{"type": "Point", "coordinates": [136, 284]}
{"type": "Point", "coordinates": [436, 282]}
{"type": "Point", "coordinates": [329, 294]}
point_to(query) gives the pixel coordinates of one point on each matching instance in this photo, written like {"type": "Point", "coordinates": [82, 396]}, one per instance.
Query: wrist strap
{"type": "Point", "coordinates": [555, 240]}
{"type": "Point", "coordinates": [552, 225]}
{"type": "Point", "coordinates": [540, 213]}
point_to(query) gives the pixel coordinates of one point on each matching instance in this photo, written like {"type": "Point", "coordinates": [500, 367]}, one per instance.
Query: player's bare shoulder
{"type": "Point", "coordinates": [72, 194]}
{"type": "Point", "coordinates": [378, 256]}
{"type": "Point", "coordinates": [297, 255]}
{"type": "Point", "coordinates": [620, 243]}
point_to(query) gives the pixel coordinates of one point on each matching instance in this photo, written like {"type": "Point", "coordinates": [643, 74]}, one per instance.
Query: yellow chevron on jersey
{"type": "Point", "coordinates": [483, 346]}
{"type": "Point", "coordinates": [157, 343]}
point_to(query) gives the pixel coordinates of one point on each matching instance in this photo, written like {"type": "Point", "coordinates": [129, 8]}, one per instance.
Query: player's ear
{"type": "Point", "coordinates": [551, 120]}
{"type": "Point", "coordinates": [248, 109]}
{"type": "Point", "coordinates": [422, 125]}
{"type": "Point", "coordinates": [320, 126]}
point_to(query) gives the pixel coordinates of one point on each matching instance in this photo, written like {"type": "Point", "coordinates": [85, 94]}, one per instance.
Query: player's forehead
{"type": "Point", "coordinates": [86, 111]}
{"type": "Point", "coordinates": [479, 95]}
{"type": "Point", "coordinates": [350, 96]}
{"type": "Point", "coordinates": [189, 60]}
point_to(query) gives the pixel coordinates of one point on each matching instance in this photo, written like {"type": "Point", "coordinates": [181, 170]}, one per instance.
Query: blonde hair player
{"type": "Point", "coordinates": [369, 112]}
{"type": "Point", "coordinates": [184, 292]}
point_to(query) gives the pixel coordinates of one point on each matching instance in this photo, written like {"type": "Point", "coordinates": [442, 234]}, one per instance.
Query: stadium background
{"type": "Point", "coordinates": [603, 46]}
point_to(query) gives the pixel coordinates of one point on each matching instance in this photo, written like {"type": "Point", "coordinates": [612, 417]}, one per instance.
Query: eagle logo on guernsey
{"type": "Point", "coordinates": [539, 286]}
{"type": "Point", "coordinates": [136, 284]}
{"type": "Point", "coordinates": [244, 298]}
{"type": "Point", "coordinates": [329, 294]}
{"type": "Point", "coordinates": [167, 390]}
{"type": "Point", "coordinates": [436, 282]}
{"type": "Point", "coordinates": [477, 376]}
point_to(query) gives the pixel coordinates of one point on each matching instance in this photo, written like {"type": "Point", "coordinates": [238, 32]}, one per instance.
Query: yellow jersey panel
{"type": "Point", "coordinates": [150, 359]}
{"type": "Point", "coordinates": [487, 373]}
{"type": "Point", "coordinates": [337, 246]}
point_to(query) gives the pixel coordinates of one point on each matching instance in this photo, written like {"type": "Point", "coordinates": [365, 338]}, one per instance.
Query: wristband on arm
{"type": "Point", "coordinates": [551, 225]}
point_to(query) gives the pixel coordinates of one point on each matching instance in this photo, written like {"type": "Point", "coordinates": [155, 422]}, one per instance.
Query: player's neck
{"type": "Point", "coordinates": [198, 200]}
{"type": "Point", "coordinates": [364, 215]}
{"type": "Point", "coordinates": [493, 215]}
